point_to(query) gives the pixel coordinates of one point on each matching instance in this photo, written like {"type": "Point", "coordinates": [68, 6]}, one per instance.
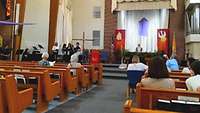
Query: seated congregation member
{"type": "Point", "coordinates": [69, 52]}
{"type": "Point", "coordinates": [193, 83]}
{"type": "Point", "coordinates": [136, 65]}
{"type": "Point", "coordinates": [158, 76]}
{"type": "Point", "coordinates": [64, 49]}
{"type": "Point", "coordinates": [25, 55]}
{"type": "Point", "coordinates": [44, 62]}
{"type": "Point", "coordinates": [186, 69]}
{"type": "Point", "coordinates": [74, 62]}
{"type": "Point", "coordinates": [165, 57]}
{"type": "Point", "coordinates": [55, 50]}
{"type": "Point", "coordinates": [77, 48]}
{"type": "Point", "coordinates": [172, 64]}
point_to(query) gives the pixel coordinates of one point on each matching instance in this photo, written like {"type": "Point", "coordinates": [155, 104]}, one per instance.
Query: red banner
{"type": "Point", "coordinates": [163, 39]}
{"type": "Point", "coordinates": [8, 8]}
{"type": "Point", "coordinates": [119, 41]}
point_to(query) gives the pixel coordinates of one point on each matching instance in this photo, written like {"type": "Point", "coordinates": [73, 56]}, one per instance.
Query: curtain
{"type": "Point", "coordinates": [64, 23]}
{"type": "Point", "coordinates": [131, 22]}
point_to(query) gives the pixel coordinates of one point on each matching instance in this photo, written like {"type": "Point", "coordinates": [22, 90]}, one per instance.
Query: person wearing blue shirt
{"type": "Point", "coordinates": [172, 64]}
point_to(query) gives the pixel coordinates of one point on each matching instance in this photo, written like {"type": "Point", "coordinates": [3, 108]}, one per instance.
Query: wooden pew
{"type": "Point", "coordinates": [129, 109]}
{"type": "Point", "coordinates": [179, 75]}
{"type": "Point", "coordinates": [15, 101]}
{"type": "Point", "coordinates": [180, 85]}
{"type": "Point", "coordinates": [69, 83]}
{"type": "Point", "coordinates": [180, 78]}
{"type": "Point", "coordinates": [99, 70]}
{"type": "Point", "coordinates": [83, 77]}
{"type": "Point", "coordinates": [92, 73]}
{"type": "Point", "coordinates": [152, 96]}
{"type": "Point", "coordinates": [2, 96]}
{"type": "Point", "coordinates": [61, 72]}
{"type": "Point", "coordinates": [96, 74]}
{"type": "Point", "coordinates": [45, 89]}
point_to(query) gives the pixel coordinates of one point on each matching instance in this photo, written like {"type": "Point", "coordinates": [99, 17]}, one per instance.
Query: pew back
{"type": "Point", "coordinates": [152, 96]}
{"type": "Point", "coordinates": [129, 109]}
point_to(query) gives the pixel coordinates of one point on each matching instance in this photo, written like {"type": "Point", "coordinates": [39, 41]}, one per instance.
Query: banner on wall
{"type": "Point", "coordinates": [1, 41]}
{"type": "Point", "coordinates": [163, 39]}
{"type": "Point", "coordinates": [119, 41]}
{"type": "Point", "coordinates": [8, 9]}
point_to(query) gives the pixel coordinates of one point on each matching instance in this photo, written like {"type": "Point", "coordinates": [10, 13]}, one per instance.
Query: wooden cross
{"type": "Point", "coordinates": [83, 40]}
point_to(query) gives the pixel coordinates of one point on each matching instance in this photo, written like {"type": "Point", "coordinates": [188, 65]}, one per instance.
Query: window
{"type": "Point", "coordinates": [97, 12]}
{"type": "Point", "coordinates": [96, 38]}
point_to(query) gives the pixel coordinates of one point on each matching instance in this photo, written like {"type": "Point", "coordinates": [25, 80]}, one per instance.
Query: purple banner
{"type": "Point", "coordinates": [143, 27]}
{"type": "Point", "coordinates": [7, 23]}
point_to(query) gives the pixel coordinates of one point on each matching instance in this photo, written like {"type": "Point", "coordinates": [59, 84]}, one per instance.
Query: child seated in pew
{"type": "Point", "coordinates": [158, 76]}
{"type": "Point", "coordinates": [193, 83]}
{"type": "Point", "coordinates": [44, 62]}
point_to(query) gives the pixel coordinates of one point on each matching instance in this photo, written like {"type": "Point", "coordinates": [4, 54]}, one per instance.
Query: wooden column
{"type": "Point", "coordinates": [176, 24]}
{"type": "Point", "coordinates": [53, 22]}
{"type": "Point", "coordinates": [18, 37]}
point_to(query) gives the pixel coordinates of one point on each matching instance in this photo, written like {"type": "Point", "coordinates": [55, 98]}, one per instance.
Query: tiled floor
{"type": "Point", "coordinates": [107, 98]}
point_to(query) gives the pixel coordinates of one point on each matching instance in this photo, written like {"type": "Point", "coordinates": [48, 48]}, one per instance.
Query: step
{"type": "Point", "coordinates": [107, 74]}
{"type": "Point", "coordinates": [114, 70]}
{"type": "Point", "coordinates": [111, 65]}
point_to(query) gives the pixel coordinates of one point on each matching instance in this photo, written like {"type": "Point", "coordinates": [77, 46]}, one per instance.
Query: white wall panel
{"type": "Point", "coordinates": [37, 11]}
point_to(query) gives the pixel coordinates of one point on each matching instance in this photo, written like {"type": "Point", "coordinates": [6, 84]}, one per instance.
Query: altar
{"type": "Point", "coordinates": [145, 57]}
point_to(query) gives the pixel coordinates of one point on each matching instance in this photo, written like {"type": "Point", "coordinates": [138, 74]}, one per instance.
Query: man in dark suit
{"type": "Point", "coordinates": [138, 48]}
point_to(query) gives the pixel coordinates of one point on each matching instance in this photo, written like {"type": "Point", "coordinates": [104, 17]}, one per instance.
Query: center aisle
{"type": "Point", "coordinates": [107, 98]}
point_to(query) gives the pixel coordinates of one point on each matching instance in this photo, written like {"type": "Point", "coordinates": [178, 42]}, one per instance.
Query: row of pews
{"type": "Point", "coordinates": [129, 109]}
{"type": "Point", "coordinates": [147, 99]}
{"type": "Point", "coordinates": [34, 84]}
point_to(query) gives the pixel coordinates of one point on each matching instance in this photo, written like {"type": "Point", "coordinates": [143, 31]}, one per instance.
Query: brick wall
{"type": "Point", "coordinates": [109, 27]}
{"type": "Point", "coordinates": [176, 24]}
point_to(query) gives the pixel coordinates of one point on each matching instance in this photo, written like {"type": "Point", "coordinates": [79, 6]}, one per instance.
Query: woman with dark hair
{"type": "Point", "coordinates": [69, 52]}
{"type": "Point", "coordinates": [193, 83]}
{"type": "Point", "coordinates": [158, 76]}
{"type": "Point", "coordinates": [64, 49]}
{"type": "Point", "coordinates": [25, 55]}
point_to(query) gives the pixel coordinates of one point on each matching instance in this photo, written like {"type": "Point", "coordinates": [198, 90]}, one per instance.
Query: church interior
{"type": "Point", "coordinates": [99, 56]}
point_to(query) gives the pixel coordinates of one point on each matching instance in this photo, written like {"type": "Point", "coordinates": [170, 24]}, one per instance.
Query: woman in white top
{"type": "Point", "coordinates": [193, 83]}
{"type": "Point", "coordinates": [158, 76]}
{"type": "Point", "coordinates": [74, 62]}
{"type": "Point", "coordinates": [136, 65]}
